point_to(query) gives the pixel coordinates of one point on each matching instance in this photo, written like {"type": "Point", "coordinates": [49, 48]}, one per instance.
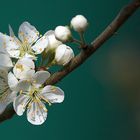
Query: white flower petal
{"type": "Point", "coordinates": [29, 74]}
{"type": "Point", "coordinates": [79, 23]}
{"type": "Point", "coordinates": [23, 86]}
{"type": "Point", "coordinates": [11, 96]}
{"type": "Point", "coordinates": [20, 103]}
{"type": "Point", "coordinates": [6, 62]}
{"type": "Point", "coordinates": [52, 94]}
{"type": "Point", "coordinates": [40, 77]}
{"type": "Point", "coordinates": [29, 56]}
{"type": "Point", "coordinates": [11, 32]}
{"type": "Point", "coordinates": [10, 44]}
{"type": "Point", "coordinates": [60, 52]}
{"type": "Point", "coordinates": [68, 56]}
{"type": "Point", "coordinates": [27, 62]}
{"type": "Point", "coordinates": [24, 68]}
{"type": "Point", "coordinates": [3, 50]}
{"type": "Point", "coordinates": [63, 33]}
{"type": "Point", "coordinates": [63, 54]}
{"type": "Point", "coordinates": [53, 43]}
{"type": "Point", "coordinates": [40, 45]}
{"type": "Point", "coordinates": [37, 113]}
{"type": "Point", "coordinates": [28, 33]}
{"type": "Point", "coordinates": [14, 53]}
{"type": "Point", "coordinates": [12, 81]}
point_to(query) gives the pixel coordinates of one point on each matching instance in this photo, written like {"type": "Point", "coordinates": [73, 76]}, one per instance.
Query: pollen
{"type": "Point", "coordinates": [28, 80]}
{"type": "Point", "coordinates": [37, 33]}
{"type": "Point", "coordinates": [21, 91]}
{"type": "Point", "coordinates": [40, 49]}
{"type": "Point", "coordinates": [21, 33]}
{"type": "Point", "coordinates": [19, 66]}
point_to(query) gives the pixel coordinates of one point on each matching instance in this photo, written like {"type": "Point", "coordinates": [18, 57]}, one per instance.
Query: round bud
{"type": "Point", "coordinates": [63, 33]}
{"type": "Point", "coordinates": [63, 55]}
{"type": "Point", "coordinates": [79, 23]}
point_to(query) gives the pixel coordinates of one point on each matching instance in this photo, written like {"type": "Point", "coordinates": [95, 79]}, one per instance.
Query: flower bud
{"type": "Point", "coordinates": [79, 23]}
{"type": "Point", "coordinates": [53, 43]}
{"type": "Point", "coordinates": [63, 55]}
{"type": "Point", "coordinates": [63, 33]}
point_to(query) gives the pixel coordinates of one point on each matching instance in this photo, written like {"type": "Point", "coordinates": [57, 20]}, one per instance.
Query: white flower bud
{"type": "Point", "coordinates": [63, 33]}
{"type": "Point", "coordinates": [53, 43]}
{"type": "Point", "coordinates": [63, 55]}
{"type": "Point", "coordinates": [79, 23]}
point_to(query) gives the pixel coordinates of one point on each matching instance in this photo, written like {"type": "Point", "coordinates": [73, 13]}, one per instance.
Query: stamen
{"type": "Point", "coordinates": [20, 66]}
{"type": "Point", "coordinates": [46, 100]}
{"type": "Point", "coordinates": [21, 91]}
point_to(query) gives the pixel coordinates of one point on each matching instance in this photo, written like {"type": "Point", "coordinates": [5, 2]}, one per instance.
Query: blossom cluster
{"type": "Point", "coordinates": [22, 82]}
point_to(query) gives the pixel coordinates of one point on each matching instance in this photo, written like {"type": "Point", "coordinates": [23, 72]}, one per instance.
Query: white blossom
{"type": "Point", "coordinates": [24, 68]}
{"type": "Point", "coordinates": [79, 23]}
{"type": "Point", "coordinates": [63, 33]}
{"type": "Point", "coordinates": [33, 96]}
{"type": "Point", "coordinates": [28, 43]}
{"type": "Point", "coordinates": [63, 55]}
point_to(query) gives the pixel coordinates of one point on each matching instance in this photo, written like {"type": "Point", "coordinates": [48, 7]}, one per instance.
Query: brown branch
{"type": "Point", "coordinates": [124, 14]}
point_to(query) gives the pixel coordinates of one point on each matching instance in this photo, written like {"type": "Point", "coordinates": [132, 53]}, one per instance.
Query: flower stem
{"type": "Point", "coordinates": [82, 39]}
{"type": "Point", "coordinates": [77, 41]}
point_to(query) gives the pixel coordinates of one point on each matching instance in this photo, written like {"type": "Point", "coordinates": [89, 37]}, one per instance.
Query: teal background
{"type": "Point", "coordinates": [102, 97]}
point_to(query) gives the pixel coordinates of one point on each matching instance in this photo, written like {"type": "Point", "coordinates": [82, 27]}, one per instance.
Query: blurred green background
{"type": "Point", "coordinates": [102, 97]}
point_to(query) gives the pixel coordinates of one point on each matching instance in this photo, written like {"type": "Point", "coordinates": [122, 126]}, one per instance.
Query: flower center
{"type": "Point", "coordinates": [33, 92]}
{"type": "Point", "coordinates": [25, 48]}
